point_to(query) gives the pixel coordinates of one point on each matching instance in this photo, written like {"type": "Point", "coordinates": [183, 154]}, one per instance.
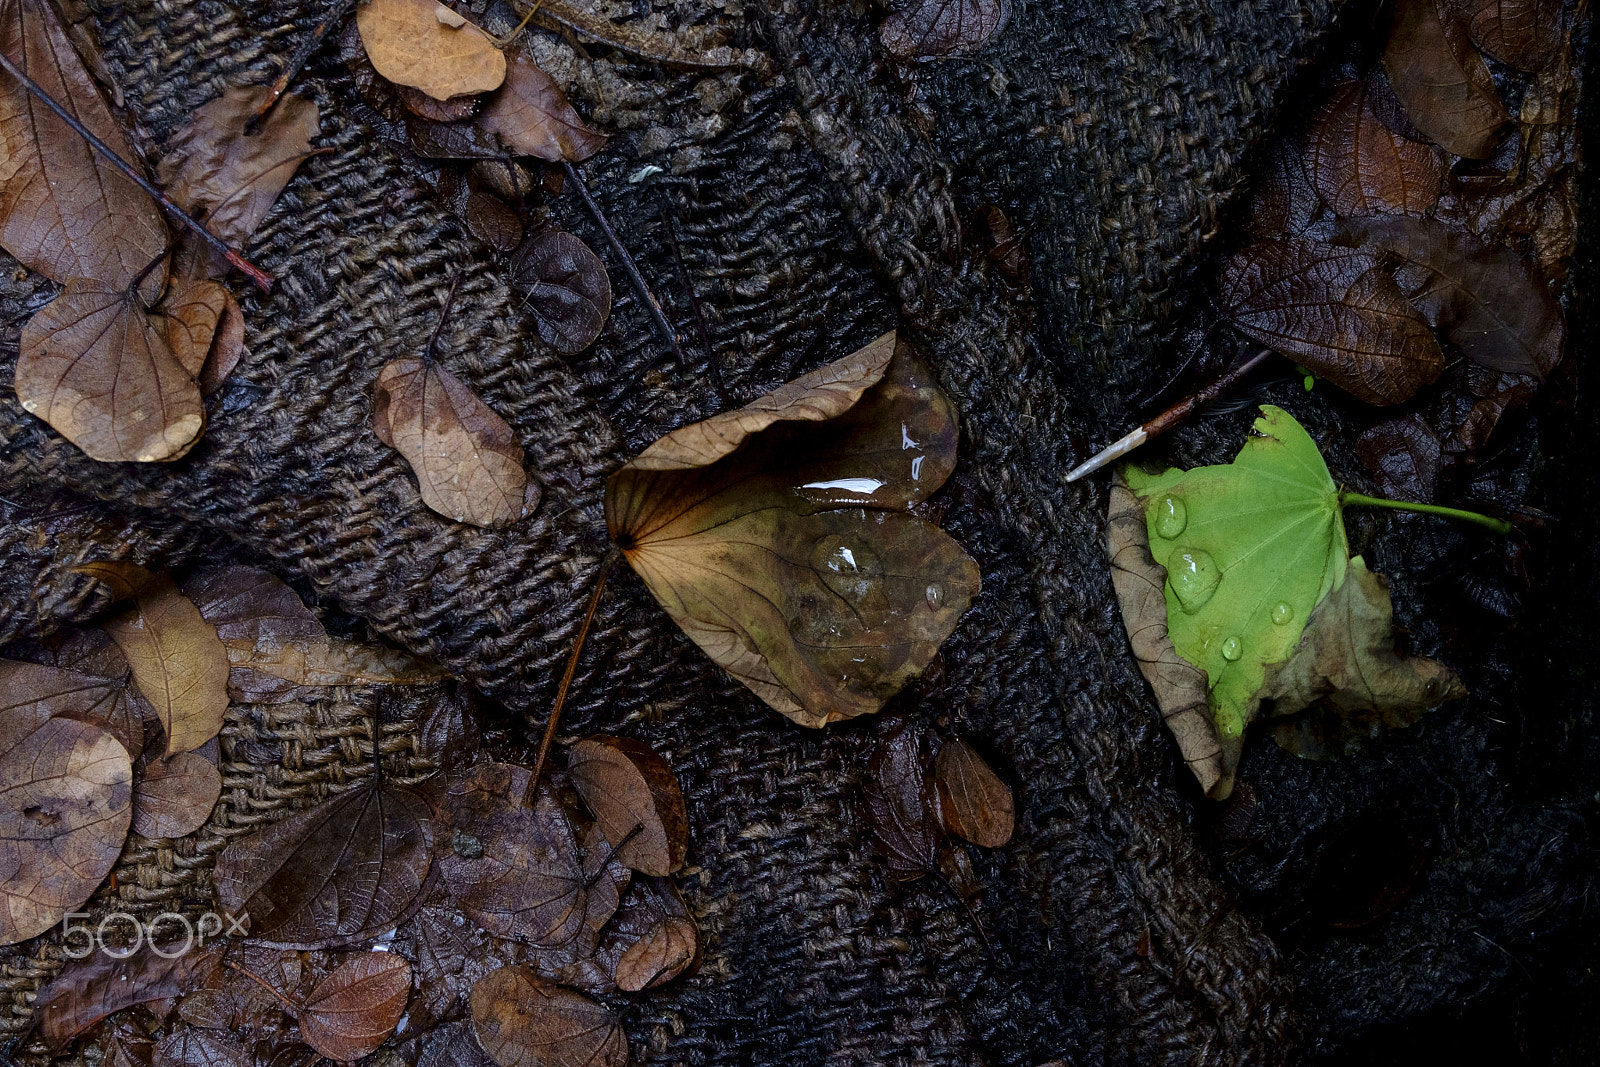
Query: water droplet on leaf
{"type": "Point", "coordinates": [1193, 576]}
{"type": "Point", "coordinates": [1171, 517]}
{"type": "Point", "coordinates": [1282, 614]}
{"type": "Point", "coordinates": [1232, 649]}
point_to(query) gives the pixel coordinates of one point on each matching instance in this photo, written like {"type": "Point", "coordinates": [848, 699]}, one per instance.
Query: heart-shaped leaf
{"type": "Point", "coordinates": [428, 46]}
{"type": "Point", "coordinates": [355, 1009]}
{"type": "Point", "coordinates": [565, 286]}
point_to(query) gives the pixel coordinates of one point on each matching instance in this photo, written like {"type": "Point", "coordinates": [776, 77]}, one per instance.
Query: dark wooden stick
{"type": "Point", "coordinates": [694, 302]}
{"type": "Point", "coordinates": [261, 278]}
{"type": "Point", "coordinates": [296, 63]}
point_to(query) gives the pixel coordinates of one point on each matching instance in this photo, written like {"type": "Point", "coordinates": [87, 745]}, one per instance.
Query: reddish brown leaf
{"type": "Point", "coordinates": [466, 458]}
{"type": "Point", "coordinates": [455, 109]}
{"type": "Point", "coordinates": [189, 1047]}
{"type": "Point", "coordinates": [488, 218]}
{"type": "Point", "coordinates": [174, 796]}
{"type": "Point", "coordinates": [927, 29]}
{"type": "Point", "coordinates": [1336, 311]}
{"type": "Point", "coordinates": [426, 45]}
{"type": "Point", "coordinates": [100, 371]}
{"type": "Point", "coordinates": [190, 315]}
{"type": "Point", "coordinates": [635, 798]}
{"type": "Point", "coordinates": [1358, 167]}
{"type": "Point", "coordinates": [1444, 85]}
{"type": "Point", "coordinates": [531, 116]}
{"type": "Point", "coordinates": [973, 802]}
{"type": "Point", "coordinates": [64, 211]}
{"type": "Point", "coordinates": [900, 802]}
{"type": "Point", "coordinates": [104, 702]}
{"type": "Point", "coordinates": [1526, 34]}
{"type": "Point", "coordinates": [355, 1009]}
{"type": "Point", "coordinates": [652, 910]}
{"type": "Point", "coordinates": [88, 989]}
{"type": "Point", "coordinates": [1404, 456]}
{"type": "Point", "coordinates": [664, 952]}
{"type": "Point", "coordinates": [524, 1021]}
{"type": "Point", "coordinates": [227, 346]}
{"type": "Point", "coordinates": [566, 288]}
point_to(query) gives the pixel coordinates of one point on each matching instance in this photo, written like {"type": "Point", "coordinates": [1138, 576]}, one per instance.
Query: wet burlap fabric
{"type": "Point", "coordinates": [815, 206]}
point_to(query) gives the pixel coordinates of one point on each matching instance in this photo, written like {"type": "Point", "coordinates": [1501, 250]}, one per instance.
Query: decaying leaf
{"type": "Point", "coordinates": [466, 458]}
{"type": "Point", "coordinates": [64, 211]}
{"type": "Point", "coordinates": [66, 797]}
{"type": "Point", "coordinates": [1405, 457]}
{"type": "Point", "coordinates": [348, 869]}
{"type": "Point", "coordinates": [1526, 34]}
{"type": "Point", "coordinates": [1336, 311]}
{"type": "Point", "coordinates": [410, 44]}
{"type": "Point", "coordinates": [636, 800]}
{"type": "Point", "coordinates": [651, 940]}
{"type": "Point", "coordinates": [973, 802]}
{"type": "Point", "coordinates": [1443, 83]}
{"type": "Point", "coordinates": [101, 372]}
{"type": "Point", "coordinates": [35, 689]}
{"type": "Point", "coordinates": [662, 954]}
{"type": "Point", "coordinates": [1359, 167]}
{"type": "Point", "coordinates": [1484, 298]}
{"type": "Point", "coordinates": [531, 116]}
{"type": "Point", "coordinates": [192, 1047]}
{"type": "Point", "coordinates": [99, 984]}
{"type": "Point", "coordinates": [523, 1021]}
{"type": "Point", "coordinates": [565, 286]}
{"type": "Point", "coordinates": [1346, 670]}
{"type": "Point", "coordinates": [776, 536]}
{"type": "Point", "coordinates": [355, 1009]}
{"type": "Point", "coordinates": [928, 29]}
{"type": "Point", "coordinates": [453, 1045]}
{"type": "Point", "coordinates": [900, 802]}
{"type": "Point", "coordinates": [1284, 203]}
{"type": "Point", "coordinates": [178, 663]}
{"type": "Point", "coordinates": [174, 796]}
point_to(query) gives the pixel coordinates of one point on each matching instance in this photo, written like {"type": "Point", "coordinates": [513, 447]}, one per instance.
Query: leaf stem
{"type": "Point", "coordinates": [294, 1009]}
{"type": "Point", "coordinates": [606, 567]}
{"type": "Point", "coordinates": [261, 278]}
{"type": "Point", "coordinates": [1358, 500]}
{"type": "Point", "coordinates": [444, 313]}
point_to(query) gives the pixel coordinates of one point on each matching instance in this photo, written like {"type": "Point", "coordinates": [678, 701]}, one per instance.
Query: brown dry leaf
{"type": "Point", "coordinates": [929, 29]}
{"type": "Point", "coordinates": [455, 109]}
{"type": "Point", "coordinates": [355, 1009]}
{"type": "Point", "coordinates": [664, 952]}
{"type": "Point", "coordinates": [190, 315]}
{"type": "Point", "coordinates": [64, 211]}
{"type": "Point", "coordinates": [227, 346]}
{"type": "Point", "coordinates": [531, 116]}
{"type": "Point", "coordinates": [636, 800]}
{"type": "Point", "coordinates": [174, 796]}
{"type": "Point", "coordinates": [1346, 665]}
{"type": "Point", "coordinates": [1485, 298]}
{"type": "Point", "coordinates": [1181, 689]}
{"type": "Point", "coordinates": [1526, 34]}
{"type": "Point", "coordinates": [100, 371]}
{"type": "Point", "coordinates": [350, 868]}
{"type": "Point", "coordinates": [900, 802]}
{"type": "Point", "coordinates": [1337, 312]}
{"type": "Point", "coordinates": [32, 688]}
{"type": "Point", "coordinates": [1443, 84]}
{"type": "Point", "coordinates": [777, 536]}
{"type": "Point", "coordinates": [565, 286]}
{"type": "Point", "coordinates": [466, 458]}
{"type": "Point", "coordinates": [523, 1021]}
{"type": "Point", "coordinates": [411, 44]}
{"type": "Point", "coordinates": [1405, 457]}
{"type": "Point", "coordinates": [88, 989]}
{"type": "Point", "coordinates": [652, 911]}
{"type": "Point", "coordinates": [1358, 167]}
{"type": "Point", "coordinates": [1284, 203]}
{"type": "Point", "coordinates": [488, 218]}
{"type": "Point", "coordinates": [178, 663]}
{"type": "Point", "coordinates": [190, 1047]}
{"type": "Point", "coordinates": [973, 802]}
{"type": "Point", "coordinates": [66, 796]}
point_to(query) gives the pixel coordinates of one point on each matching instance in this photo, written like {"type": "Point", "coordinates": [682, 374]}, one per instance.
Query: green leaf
{"type": "Point", "coordinates": [1250, 548]}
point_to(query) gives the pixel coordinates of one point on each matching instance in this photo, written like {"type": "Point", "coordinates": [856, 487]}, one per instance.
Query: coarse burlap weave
{"type": "Point", "coordinates": [815, 208]}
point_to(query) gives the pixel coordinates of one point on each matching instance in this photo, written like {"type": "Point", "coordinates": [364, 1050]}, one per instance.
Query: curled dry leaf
{"type": "Point", "coordinates": [1526, 34]}
{"type": "Point", "coordinates": [177, 661]}
{"type": "Point", "coordinates": [101, 372]}
{"type": "Point", "coordinates": [777, 536]}
{"type": "Point", "coordinates": [191, 1047]}
{"type": "Point", "coordinates": [928, 29]}
{"type": "Point", "coordinates": [900, 802]}
{"type": "Point", "coordinates": [1485, 298]}
{"type": "Point", "coordinates": [644, 944]}
{"type": "Point", "coordinates": [355, 1009]}
{"type": "Point", "coordinates": [1345, 668]}
{"type": "Point", "coordinates": [99, 984]}
{"type": "Point", "coordinates": [350, 868]}
{"type": "Point", "coordinates": [409, 44]}
{"type": "Point", "coordinates": [1441, 81]}
{"type": "Point", "coordinates": [973, 802]}
{"type": "Point", "coordinates": [531, 116]}
{"type": "Point", "coordinates": [64, 211]}
{"type": "Point", "coordinates": [1358, 167]}
{"type": "Point", "coordinates": [663, 953]}
{"type": "Point", "coordinates": [35, 689]}
{"type": "Point", "coordinates": [636, 800]}
{"type": "Point", "coordinates": [466, 458]}
{"type": "Point", "coordinates": [523, 1021]}
{"type": "Point", "coordinates": [1337, 312]}
{"type": "Point", "coordinates": [66, 796]}
{"type": "Point", "coordinates": [174, 796]}
{"type": "Point", "coordinates": [565, 286]}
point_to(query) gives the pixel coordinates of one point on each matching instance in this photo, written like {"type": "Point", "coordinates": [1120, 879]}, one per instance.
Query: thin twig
{"type": "Point", "coordinates": [444, 313]}
{"type": "Point", "coordinates": [611, 854]}
{"type": "Point", "coordinates": [606, 566]}
{"type": "Point", "coordinates": [631, 269]}
{"type": "Point", "coordinates": [296, 62]}
{"type": "Point", "coordinates": [262, 279]}
{"type": "Point", "coordinates": [694, 301]}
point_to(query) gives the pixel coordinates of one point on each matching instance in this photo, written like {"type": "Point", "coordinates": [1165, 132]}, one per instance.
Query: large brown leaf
{"type": "Point", "coordinates": [532, 117]}
{"type": "Point", "coordinates": [776, 536]}
{"type": "Point", "coordinates": [32, 688]}
{"type": "Point", "coordinates": [66, 799]}
{"type": "Point", "coordinates": [524, 1021]}
{"type": "Point", "coordinates": [636, 800]}
{"type": "Point", "coordinates": [426, 45]}
{"type": "Point", "coordinates": [178, 663]}
{"type": "Point", "coordinates": [466, 458]}
{"type": "Point", "coordinates": [927, 29]}
{"type": "Point", "coordinates": [1359, 167]}
{"type": "Point", "coordinates": [1526, 34]}
{"type": "Point", "coordinates": [64, 211]}
{"type": "Point", "coordinates": [348, 869]}
{"type": "Point", "coordinates": [100, 371]}
{"type": "Point", "coordinates": [1444, 85]}
{"type": "Point", "coordinates": [355, 1009]}
{"type": "Point", "coordinates": [88, 989]}
{"type": "Point", "coordinates": [1336, 311]}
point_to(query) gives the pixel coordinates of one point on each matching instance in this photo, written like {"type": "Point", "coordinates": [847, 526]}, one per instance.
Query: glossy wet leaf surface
{"type": "Point", "coordinates": [565, 287]}
{"type": "Point", "coordinates": [425, 45]}
{"type": "Point", "coordinates": [635, 799]}
{"type": "Point", "coordinates": [1359, 167]}
{"type": "Point", "coordinates": [776, 535]}
{"type": "Point", "coordinates": [354, 1010]}
{"type": "Point", "coordinates": [900, 802]}
{"type": "Point", "coordinates": [973, 802]}
{"type": "Point", "coordinates": [89, 989]}
{"type": "Point", "coordinates": [1444, 85]}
